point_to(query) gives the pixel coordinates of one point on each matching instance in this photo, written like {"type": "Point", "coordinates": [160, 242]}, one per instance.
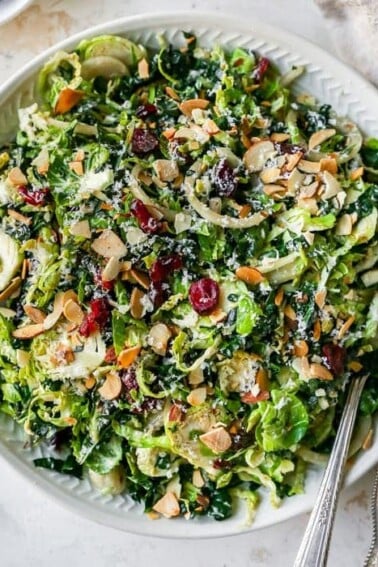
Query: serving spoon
{"type": "Point", "coordinates": [313, 551]}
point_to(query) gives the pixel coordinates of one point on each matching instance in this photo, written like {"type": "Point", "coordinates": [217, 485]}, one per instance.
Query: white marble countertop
{"type": "Point", "coordinates": [36, 531]}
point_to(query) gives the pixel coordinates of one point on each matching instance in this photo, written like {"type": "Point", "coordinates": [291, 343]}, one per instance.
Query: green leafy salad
{"type": "Point", "coordinates": [188, 274]}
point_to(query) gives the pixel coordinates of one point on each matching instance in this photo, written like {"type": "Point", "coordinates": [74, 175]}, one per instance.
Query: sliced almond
{"type": "Point", "coordinates": [328, 164]}
{"type": "Point", "coordinates": [355, 366]}
{"type": "Point", "coordinates": [136, 305]}
{"type": "Point", "coordinates": [111, 270]}
{"type": "Point", "coordinates": [16, 177]}
{"type": "Point", "coordinates": [172, 93]}
{"type": "Point", "coordinates": [292, 161]}
{"type": "Point", "coordinates": [244, 211]}
{"type": "Point", "coordinates": [158, 338]}
{"type": "Point", "coordinates": [194, 133]}
{"type": "Point", "coordinates": [309, 204]}
{"type": "Point", "coordinates": [137, 276]}
{"type": "Point", "coordinates": [346, 326]}
{"type": "Point", "coordinates": [320, 297]}
{"type": "Point", "coordinates": [319, 137]}
{"type": "Point", "coordinates": [217, 316]}
{"type": "Point", "coordinates": [210, 127]}
{"type": "Point", "coordinates": [317, 330]}
{"type": "Point", "coordinates": [309, 166]}
{"type": "Point", "coordinates": [111, 388]}
{"type": "Point", "coordinates": [257, 155]}
{"type": "Point", "coordinates": [308, 191]}
{"type": "Point", "coordinates": [25, 268]}
{"type": "Point", "coordinates": [195, 377]}
{"type": "Point", "coordinates": [77, 167]}
{"type": "Point", "coordinates": [143, 69]}
{"type": "Point", "coordinates": [19, 217]}
{"type": "Point", "coordinates": [197, 396]}
{"type": "Point", "coordinates": [279, 297]}
{"type": "Point", "coordinates": [186, 106]}
{"type": "Point", "coordinates": [290, 313]}
{"type": "Point", "coordinates": [344, 225]}
{"type": "Point", "coordinates": [29, 331]}
{"type": "Point", "coordinates": [274, 190]}
{"type": "Point", "coordinates": [320, 372]}
{"type": "Point", "coordinates": [68, 98]}
{"type": "Point", "coordinates": [279, 137]}
{"type": "Point", "coordinates": [356, 173]}
{"type": "Point", "coordinates": [53, 317]}
{"type": "Point", "coordinates": [262, 379]}
{"type": "Point", "coordinates": [217, 439]}
{"type": "Point", "coordinates": [197, 479]}
{"type": "Point", "coordinates": [35, 314]}
{"type": "Point", "coordinates": [41, 162]}
{"type": "Point", "coordinates": [127, 356]}
{"type": "Point", "coordinates": [69, 294]}
{"type": "Point", "coordinates": [108, 244]}
{"type": "Point", "coordinates": [81, 228]}
{"type": "Point", "coordinates": [168, 506]}
{"type": "Point", "coordinates": [90, 382]}
{"type": "Point", "coordinates": [300, 348]}
{"type": "Point", "coordinates": [249, 275]}
{"type": "Point", "coordinates": [73, 312]}
{"type": "Point", "coordinates": [331, 185]}
{"type": "Point", "coordinates": [166, 169]}
{"type": "Point", "coordinates": [11, 289]}
{"type": "Point", "coordinates": [169, 133]}
{"type": "Point", "coordinates": [270, 174]}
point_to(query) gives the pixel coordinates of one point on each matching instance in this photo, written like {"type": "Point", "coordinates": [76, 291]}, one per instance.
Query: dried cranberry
{"type": "Point", "coordinates": [110, 355]}
{"type": "Point", "coordinates": [145, 110]}
{"type": "Point", "coordinates": [96, 318]}
{"type": "Point", "coordinates": [287, 148]}
{"type": "Point", "coordinates": [221, 464]}
{"type": "Point", "coordinates": [224, 179]}
{"type": "Point", "coordinates": [261, 69]}
{"type": "Point", "coordinates": [107, 286]}
{"type": "Point", "coordinates": [204, 295]}
{"type": "Point", "coordinates": [158, 293]}
{"type": "Point", "coordinates": [143, 141]}
{"type": "Point", "coordinates": [128, 379]}
{"type": "Point", "coordinates": [35, 197]}
{"type": "Point", "coordinates": [335, 356]}
{"type": "Point", "coordinates": [146, 221]}
{"type": "Point", "coordinates": [164, 266]}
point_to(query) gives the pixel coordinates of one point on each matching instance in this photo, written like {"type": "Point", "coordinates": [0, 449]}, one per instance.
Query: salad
{"type": "Point", "coordinates": [188, 274]}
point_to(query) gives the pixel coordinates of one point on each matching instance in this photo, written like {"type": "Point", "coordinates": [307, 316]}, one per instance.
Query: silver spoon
{"type": "Point", "coordinates": [313, 551]}
{"type": "Point", "coordinates": [372, 556]}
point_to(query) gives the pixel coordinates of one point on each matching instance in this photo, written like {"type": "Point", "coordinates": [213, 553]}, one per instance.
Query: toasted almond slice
{"type": "Point", "coordinates": [355, 366]}
{"type": "Point", "coordinates": [317, 330]}
{"type": "Point", "coordinates": [344, 225]}
{"type": "Point", "coordinates": [80, 155]}
{"type": "Point", "coordinates": [19, 217]}
{"type": "Point", "coordinates": [125, 266]}
{"type": "Point", "coordinates": [308, 191]}
{"type": "Point", "coordinates": [68, 98]}
{"type": "Point", "coordinates": [90, 382]}
{"type": "Point", "coordinates": [81, 228]}
{"type": "Point", "coordinates": [73, 312]}
{"type": "Point", "coordinates": [270, 175]}
{"type": "Point", "coordinates": [302, 366]}
{"type": "Point", "coordinates": [319, 137]}
{"type": "Point", "coordinates": [186, 106]}
{"type": "Point", "coordinates": [244, 211]}
{"type": "Point", "coordinates": [172, 93]}
{"type": "Point", "coordinates": [29, 331]}
{"type": "Point", "coordinates": [262, 379]}
{"type": "Point", "coordinates": [249, 275]}
{"type": "Point", "coordinates": [332, 185]}
{"type": "Point", "coordinates": [292, 160]}
{"type": "Point", "coordinates": [274, 190]}
{"type": "Point", "coordinates": [136, 305]}
{"type": "Point", "coordinates": [290, 313]}
{"type": "Point", "coordinates": [279, 297]}
{"type": "Point", "coordinates": [217, 316]}
{"type": "Point", "coordinates": [346, 326]}
{"type": "Point", "coordinates": [111, 388]}
{"type": "Point", "coordinates": [309, 204]}
{"type": "Point", "coordinates": [151, 515]}
{"type": "Point", "coordinates": [309, 166]}
{"type": "Point", "coordinates": [53, 317]}
{"type": "Point", "coordinates": [108, 244]}
{"type": "Point", "coordinates": [194, 133]}
{"type": "Point", "coordinates": [69, 294]}
{"type": "Point", "coordinates": [217, 439]}
{"type": "Point", "coordinates": [328, 164]}
{"type": "Point", "coordinates": [158, 338]}
{"type": "Point", "coordinates": [143, 69]}
{"type": "Point", "coordinates": [127, 356]}
{"type": "Point", "coordinates": [210, 127]}
{"type": "Point", "coordinates": [166, 169]}
{"type": "Point", "coordinates": [169, 134]}
{"type": "Point", "coordinates": [319, 371]}
{"type": "Point", "coordinates": [279, 137]}
{"type": "Point", "coordinates": [197, 479]}
{"type": "Point", "coordinates": [300, 348]}
{"type": "Point", "coordinates": [320, 297]}
{"type": "Point", "coordinates": [11, 289]}
{"type": "Point", "coordinates": [195, 377]}
{"type": "Point", "coordinates": [7, 313]}
{"type": "Point", "coordinates": [168, 506]}
{"type": "Point", "coordinates": [257, 155]}
{"type": "Point", "coordinates": [35, 314]}
{"type": "Point", "coordinates": [197, 396]}
{"type": "Point", "coordinates": [25, 268]}
{"type": "Point", "coordinates": [111, 270]}
{"type": "Point", "coordinates": [16, 177]}
{"type": "Point", "coordinates": [356, 173]}
{"type": "Point", "coordinates": [77, 167]}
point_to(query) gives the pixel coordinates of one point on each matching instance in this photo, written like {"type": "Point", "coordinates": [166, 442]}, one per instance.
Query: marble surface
{"type": "Point", "coordinates": [35, 530]}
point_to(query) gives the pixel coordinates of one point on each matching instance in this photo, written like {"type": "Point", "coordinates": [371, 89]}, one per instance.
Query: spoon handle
{"type": "Point", "coordinates": [313, 551]}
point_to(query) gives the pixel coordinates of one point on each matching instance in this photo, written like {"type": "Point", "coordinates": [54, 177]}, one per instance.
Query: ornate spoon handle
{"type": "Point", "coordinates": [314, 548]}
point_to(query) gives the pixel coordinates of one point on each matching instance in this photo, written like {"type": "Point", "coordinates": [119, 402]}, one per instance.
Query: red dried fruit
{"type": "Point", "coordinates": [145, 220]}
{"type": "Point", "coordinates": [335, 356]}
{"type": "Point", "coordinates": [96, 318]}
{"type": "Point", "coordinates": [221, 464]}
{"type": "Point", "coordinates": [164, 266]}
{"type": "Point", "coordinates": [224, 179]}
{"type": "Point", "coordinates": [204, 295]}
{"type": "Point", "coordinates": [35, 197]}
{"type": "Point", "coordinates": [249, 398]}
{"type": "Point", "coordinates": [128, 379]}
{"type": "Point", "coordinates": [143, 141]}
{"type": "Point", "coordinates": [88, 326]}
{"type": "Point", "coordinates": [145, 110]}
{"type": "Point", "coordinates": [110, 355]}
{"type": "Point", "coordinates": [261, 69]}
{"type": "Point", "coordinates": [158, 293]}
{"type": "Point", "coordinates": [287, 148]}
{"type": "Point", "coordinates": [106, 286]}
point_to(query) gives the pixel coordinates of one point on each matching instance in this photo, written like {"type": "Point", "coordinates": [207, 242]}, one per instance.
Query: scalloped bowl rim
{"type": "Point", "coordinates": [353, 89]}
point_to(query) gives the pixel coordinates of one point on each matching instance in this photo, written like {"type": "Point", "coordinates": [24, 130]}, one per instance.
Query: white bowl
{"type": "Point", "coordinates": [331, 82]}
{"type": "Point", "coordinates": [11, 8]}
